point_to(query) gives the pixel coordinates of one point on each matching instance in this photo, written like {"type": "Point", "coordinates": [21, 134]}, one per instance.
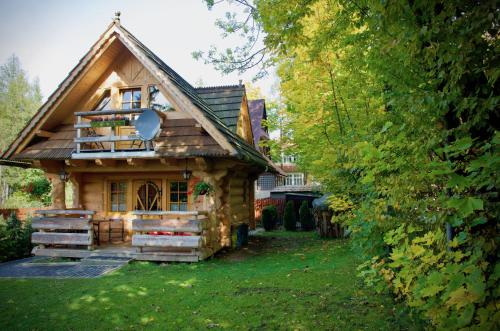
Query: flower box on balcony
{"type": "Point", "coordinates": [101, 123]}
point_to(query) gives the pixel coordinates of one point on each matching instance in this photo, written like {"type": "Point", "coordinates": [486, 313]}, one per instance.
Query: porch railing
{"type": "Point", "coordinates": [163, 230]}
{"type": "Point", "coordinates": [63, 227]}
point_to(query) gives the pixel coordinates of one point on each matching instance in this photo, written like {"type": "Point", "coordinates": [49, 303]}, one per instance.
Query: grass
{"type": "Point", "coordinates": [284, 281]}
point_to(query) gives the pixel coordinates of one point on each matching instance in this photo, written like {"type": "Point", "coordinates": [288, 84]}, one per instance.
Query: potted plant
{"type": "Point", "coordinates": [202, 188]}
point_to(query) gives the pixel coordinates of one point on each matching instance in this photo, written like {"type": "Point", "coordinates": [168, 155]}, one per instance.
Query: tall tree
{"type": "Point", "coordinates": [19, 100]}
{"type": "Point", "coordinates": [393, 106]}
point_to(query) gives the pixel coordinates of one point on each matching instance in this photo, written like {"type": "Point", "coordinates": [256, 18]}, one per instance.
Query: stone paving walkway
{"type": "Point", "coordinates": [33, 267]}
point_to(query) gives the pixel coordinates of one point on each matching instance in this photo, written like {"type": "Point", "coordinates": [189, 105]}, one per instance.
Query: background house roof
{"type": "Point", "coordinates": [257, 110]}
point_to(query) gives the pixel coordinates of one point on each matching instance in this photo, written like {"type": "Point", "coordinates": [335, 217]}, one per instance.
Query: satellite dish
{"type": "Point", "coordinates": [147, 125]}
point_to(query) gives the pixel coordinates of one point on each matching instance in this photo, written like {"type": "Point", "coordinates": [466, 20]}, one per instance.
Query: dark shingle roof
{"type": "Point", "coordinates": [245, 151]}
{"type": "Point", "coordinates": [225, 101]}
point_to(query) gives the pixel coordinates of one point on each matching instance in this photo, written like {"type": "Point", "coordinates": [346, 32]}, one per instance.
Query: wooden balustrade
{"type": "Point", "coordinates": [63, 227]}
{"type": "Point", "coordinates": [193, 223]}
{"type": "Point", "coordinates": [84, 120]}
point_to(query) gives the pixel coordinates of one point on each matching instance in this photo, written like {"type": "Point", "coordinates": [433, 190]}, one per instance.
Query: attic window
{"type": "Point", "coordinates": [157, 100]}
{"type": "Point", "coordinates": [131, 98]}
{"type": "Point", "coordinates": [105, 102]}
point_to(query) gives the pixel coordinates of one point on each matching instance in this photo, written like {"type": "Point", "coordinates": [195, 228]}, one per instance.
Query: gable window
{"type": "Point", "coordinates": [105, 102]}
{"type": "Point", "coordinates": [118, 199]}
{"type": "Point", "coordinates": [178, 196]}
{"type": "Point", "coordinates": [294, 179]}
{"type": "Point", "coordinates": [131, 99]}
{"type": "Point", "coordinates": [157, 100]}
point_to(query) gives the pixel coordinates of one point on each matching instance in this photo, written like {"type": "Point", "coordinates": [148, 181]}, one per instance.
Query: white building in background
{"type": "Point", "coordinates": [297, 185]}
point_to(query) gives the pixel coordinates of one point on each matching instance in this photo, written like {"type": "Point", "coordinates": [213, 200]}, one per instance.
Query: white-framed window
{"type": "Point", "coordinates": [288, 159]}
{"type": "Point", "coordinates": [294, 179]}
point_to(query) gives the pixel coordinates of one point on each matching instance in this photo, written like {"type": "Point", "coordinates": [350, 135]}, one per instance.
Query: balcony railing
{"type": "Point", "coordinates": [109, 133]}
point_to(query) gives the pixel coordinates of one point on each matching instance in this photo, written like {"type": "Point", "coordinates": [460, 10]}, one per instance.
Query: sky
{"type": "Point", "coordinates": [51, 36]}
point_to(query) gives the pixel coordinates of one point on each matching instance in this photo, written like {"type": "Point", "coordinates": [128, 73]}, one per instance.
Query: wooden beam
{"type": "Point", "coordinates": [172, 225]}
{"type": "Point", "coordinates": [60, 223]}
{"type": "Point", "coordinates": [44, 134]}
{"type": "Point", "coordinates": [143, 240]}
{"type": "Point", "coordinates": [61, 238]}
{"type": "Point", "coordinates": [105, 162]}
{"type": "Point", "coordinates": [136, 162]}
{"type": "Point", "coordinates": [112, 155]}
{"type": "Point", "coordinates": [64, 212]}
{"type": "Point", "coordinates": [203, 164]}
{"type": "Point", "coordinates": [76, 163]}
{"type": "Point", "coordinates": [169, 162]}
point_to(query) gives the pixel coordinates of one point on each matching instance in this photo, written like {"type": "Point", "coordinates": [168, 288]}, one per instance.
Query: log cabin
{"type": "Point", "coordinates": [87, 133]}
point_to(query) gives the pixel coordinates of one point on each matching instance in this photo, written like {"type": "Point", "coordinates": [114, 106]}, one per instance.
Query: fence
{"type": "Point", "coordinates": [21, 213]}
{"type": "Point", "coordinates": [261, 203]}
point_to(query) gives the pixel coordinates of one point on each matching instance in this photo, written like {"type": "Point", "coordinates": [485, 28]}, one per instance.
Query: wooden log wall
{"type": "Point", "coordinates": [239, 199]}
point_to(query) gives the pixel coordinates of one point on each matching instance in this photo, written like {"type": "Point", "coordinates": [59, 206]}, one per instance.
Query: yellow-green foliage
{"type": "Point", "coordinates": [393, 105]}
{"type": "Point", "coordinates": [339, 204]}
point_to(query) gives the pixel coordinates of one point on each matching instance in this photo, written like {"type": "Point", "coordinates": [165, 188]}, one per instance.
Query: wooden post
{"type": "Point", "coordinates": [75, 181]}
{"type": "Point", "coordinates": [90, 231]}
{"type": "Point", "coordinates": [78, 134]}
{"type": "Point", "coordinates": [251, 202]}
{"type": "Point", "coordinates": [58, 191]}
{"type": "Point", "coordinates": [140, 247]}
{"type": "Point", "coordinates": [219, 202]}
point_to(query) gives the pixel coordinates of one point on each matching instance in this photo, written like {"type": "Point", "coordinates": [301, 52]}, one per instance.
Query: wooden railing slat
{"type": "Point", "coordinates": [106, 139]}
{"type": "Point", "coordinates": [54, 238]}
{"type": "Point", "coordinates": [145, 240]}
{"type": "Point", "coordinates": [47, 223]}
{"type": "Point", "coordinates": [167, 225]}
{"type": "Point", "coordinates": [110, 112]}
{"type": "Point", "coordinates": [65, 212]}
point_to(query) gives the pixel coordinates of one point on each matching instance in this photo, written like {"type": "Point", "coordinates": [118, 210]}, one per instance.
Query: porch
{"type": "Point", "coordinates": [155, 236]}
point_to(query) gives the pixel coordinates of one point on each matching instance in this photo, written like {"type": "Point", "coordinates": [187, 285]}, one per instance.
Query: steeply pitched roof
{"type": "Point", "coordinates": [242, 149]}
{"type": "Point", "coordinates": [225, 101]}
{"type": "Point", "coordinates": [257, 110]}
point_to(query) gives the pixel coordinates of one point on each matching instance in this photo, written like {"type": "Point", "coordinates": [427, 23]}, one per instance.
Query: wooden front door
{"type": "Point", "coordinates": [147, 195]}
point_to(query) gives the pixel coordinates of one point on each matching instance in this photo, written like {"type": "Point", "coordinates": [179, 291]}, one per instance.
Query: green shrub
{"type": "Point", "coordinates": [269, 216]}
{"type": "Point", "coordinates": [289, 217]}
{"type": "Point", "coordinates": [305, 217]}
{"type": "Point", "coordinates": [15, 239]}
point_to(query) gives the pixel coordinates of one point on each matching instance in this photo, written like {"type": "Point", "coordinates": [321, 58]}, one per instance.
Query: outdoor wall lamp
{"type": "Point", "coordinates": [63, 175]}
{"type": "Point", "coordinates": [186, 174]}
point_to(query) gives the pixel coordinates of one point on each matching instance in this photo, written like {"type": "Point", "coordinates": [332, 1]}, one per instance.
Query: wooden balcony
{"type": "Point", "coordinates": [109, 134]}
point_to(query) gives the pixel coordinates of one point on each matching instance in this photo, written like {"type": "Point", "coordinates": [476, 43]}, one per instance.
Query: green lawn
{"type": "Point", "coordinates": [284, 281]}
